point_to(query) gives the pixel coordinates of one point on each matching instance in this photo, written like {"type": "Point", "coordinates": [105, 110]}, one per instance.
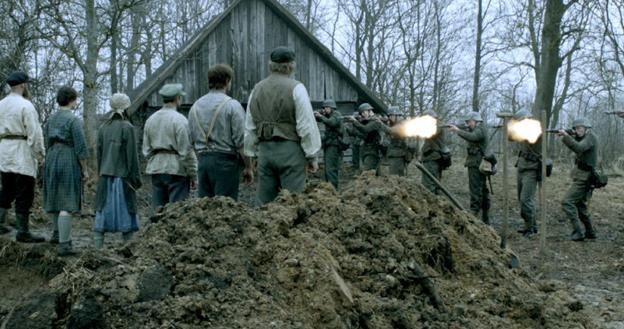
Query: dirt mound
{"type": "Point", "coordinates": [383, 254]}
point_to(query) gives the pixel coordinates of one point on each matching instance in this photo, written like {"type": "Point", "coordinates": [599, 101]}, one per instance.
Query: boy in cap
{"type": "Point", "coordinates": [280, 130]}
{"type": "Point", "coordinates": [170, 158]}
{"type": "Point", "coordinates": [21, 152]}
{"type": "Point", "coordinates": [332, 151]}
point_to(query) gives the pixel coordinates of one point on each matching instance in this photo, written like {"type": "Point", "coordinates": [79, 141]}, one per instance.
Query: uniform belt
{"type": "Point", "coordinates": [22, 137]}
{"type": "Point", "coordinates": [583, 166]}
{"type": "Point", "coordinates": [164, 151]}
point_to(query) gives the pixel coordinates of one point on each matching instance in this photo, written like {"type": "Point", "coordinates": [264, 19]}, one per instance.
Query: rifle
{"type": "Point", "coordinates": [570, 132]}
{"type": "Point", "coordinates": [614, 112]}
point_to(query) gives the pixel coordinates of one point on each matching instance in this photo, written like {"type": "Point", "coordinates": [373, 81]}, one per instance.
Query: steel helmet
{"type": "Point", "coordinates": [476, 116]}
{"type": "Point", "coordinates": [522, 114]}
{"type": "Point", "coordinates": [365, 107]}
{"type": "Point", "coordinates": [329, 103]}
{"type": "Point", "coordinates": [581, 122]}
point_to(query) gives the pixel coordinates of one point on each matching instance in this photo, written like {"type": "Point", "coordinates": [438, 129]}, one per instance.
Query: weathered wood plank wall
{"type": "Point", "coordinates": [244, 40]}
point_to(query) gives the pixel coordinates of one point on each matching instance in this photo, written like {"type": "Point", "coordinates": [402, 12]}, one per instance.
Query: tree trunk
{"type": "Point", "coordinates": [114, 83]}
{"type": "Point", "coordinates": [477, 69]}
{"type": "Point", "coordinates": [90, 77]}
{"type": "Point", "coordinates": [134, 47]}
{"type": "Point", "coordinates": [550, 61]}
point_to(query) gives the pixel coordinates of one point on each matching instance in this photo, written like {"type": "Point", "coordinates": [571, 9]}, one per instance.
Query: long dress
{"type": "Point", "coordinates": [66, 146]}
{"type": "Point", "coordinates": [119, 177]}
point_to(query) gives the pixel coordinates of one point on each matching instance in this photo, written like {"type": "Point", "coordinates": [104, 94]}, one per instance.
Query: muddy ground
{"type": "Point", "coordinates": [577, 285]}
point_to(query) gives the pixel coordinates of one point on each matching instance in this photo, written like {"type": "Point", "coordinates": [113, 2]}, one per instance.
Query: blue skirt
{"type": "Point", "coordinates": [114, 216]}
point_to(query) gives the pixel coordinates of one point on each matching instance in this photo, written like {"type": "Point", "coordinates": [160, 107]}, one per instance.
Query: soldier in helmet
{"type": "Point", "coordinates": [399, 153]}
{"type": "Point", "coordinates": [371, 128]}
{"type": "Point", "coordinates": [432, 151]}
{"type": "Point", "coordinates": [584, 144]}
{"type": "Point", "coordinates": [332, 144]}
{"type": "Point", "coordinates": [528, 175]}
{"type": "Point", "coordinates": [477, 138]}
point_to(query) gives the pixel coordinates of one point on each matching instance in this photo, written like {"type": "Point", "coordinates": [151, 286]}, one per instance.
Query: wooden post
{"type": "Point", "coordinates": [542, 194]}
{"type": "Point", "coordinates": [505, 116]}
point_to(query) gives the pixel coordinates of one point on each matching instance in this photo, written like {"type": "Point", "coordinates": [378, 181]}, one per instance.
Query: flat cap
{"type": "Point", "coordinates": [365, 107]}
{"type": "Point", "coordinates": [17, 78]}
{"type": "Point", "coordinates": [119, 101]}
{"type": "Point", "coordinates": [282, 55]}
{"type": "Point", "coordinates": [172, 90]}
{"type": "Point", "coordinates": [329, 103]}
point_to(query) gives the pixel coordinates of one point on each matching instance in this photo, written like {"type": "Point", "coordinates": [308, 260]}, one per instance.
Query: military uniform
{"type": "Point", "coordinates": [431, 155]}
{"type": "Point", "coordinates": [371, 147]}
{"type": "Point", "coordinates": [332, 152]}
{"type": "Point", "coordinates": [477, 139]}
{"type": "Point", "coordinates": [528, 165]}
{"type": "Point", "coordinates": [575, 201]}
{"type": "Point", "coordinates": [399, 153]}
{"type": "Point", "coordinates": [280, 130]}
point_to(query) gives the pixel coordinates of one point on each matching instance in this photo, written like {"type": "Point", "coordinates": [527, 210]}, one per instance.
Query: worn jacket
{"type": "Point", "coordinates": [477, 139]}
{"type": "Point", "coordinates": [529, 155]}
{"type": "Point", "coordinates": [118, 156]}
{"type": "Point", "coordinates": [167, 145]}
{"type": "Point", "coordinates": [586, 150]}
{"type": "Point", "coordinates": [433, 146]}
{"type": "Point", "coordinates": [371, 130]}
{"type": "Point", "coordinates": [333, 129]}
{"type": "Point", "coordinates": [18, 117]}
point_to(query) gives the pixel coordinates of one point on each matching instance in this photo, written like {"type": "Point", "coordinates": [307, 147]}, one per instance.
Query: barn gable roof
{"type": "Point", "coordinates": [147, 87]}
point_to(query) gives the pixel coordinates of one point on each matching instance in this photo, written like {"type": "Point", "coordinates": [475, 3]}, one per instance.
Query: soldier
{"type": "Point", "coordinates": [529, 167]}
{"type": "Point", "coordinates": [432, 151]}
{"type": "Point", "coordinates": [584, 144]}
{"type": "Point", "coordinates": [356, 141]}
{"type": "Point", "coordinates": [170, 158]}
{"type": "Point", "coordinates": [280, 129]}
{"type": "Point", "coordinates": [399, 154]}
{"type": "Point", "coordinates": [332, 144]}
{"type": "Point", "coordinates": [372, 128]}
{"type": "Point", "coordinates": [21, 151]}
{"type": "Point", "coordinates": [477, 137]}
{"type": "Point", "coordinates": [216, 122]}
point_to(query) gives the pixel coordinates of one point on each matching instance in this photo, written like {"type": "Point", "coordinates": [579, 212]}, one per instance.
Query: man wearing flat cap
{"type": "Point", "coordinates": [171, 161]}
{"type": "Point", "coordinates": [332, 140]}
{"type": "Point", "coordinates": [280, 129]}
{"type": "Point", "coordinates": [21, 152]}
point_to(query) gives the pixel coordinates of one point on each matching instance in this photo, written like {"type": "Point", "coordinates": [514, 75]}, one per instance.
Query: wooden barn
{"type": "Point", "coordinates": [243, 36]}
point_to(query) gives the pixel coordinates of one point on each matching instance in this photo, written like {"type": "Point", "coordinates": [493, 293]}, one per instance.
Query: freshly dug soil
{"type": "Point", "coordinates": [384, 253]}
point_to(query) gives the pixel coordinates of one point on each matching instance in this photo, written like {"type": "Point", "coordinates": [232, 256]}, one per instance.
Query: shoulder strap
{"type": "Point", "coordinates": [207, 133]}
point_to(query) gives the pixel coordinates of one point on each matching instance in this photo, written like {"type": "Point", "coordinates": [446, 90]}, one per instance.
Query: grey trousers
{"type": "Point", "coordinates": [218, 174]}
{"type": "Point", "coordinates": [169, 189]}
{"type": "Point", "coordinates": [281, 165]}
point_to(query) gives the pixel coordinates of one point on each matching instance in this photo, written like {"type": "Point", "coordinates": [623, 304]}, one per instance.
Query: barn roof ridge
{"type": "Point", "coordinates": [143, 90]}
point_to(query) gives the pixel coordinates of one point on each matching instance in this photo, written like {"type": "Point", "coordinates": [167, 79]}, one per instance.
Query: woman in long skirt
{"type": "Point", "coordinates": [65, 168]}
{"type": "Point", "coordinates": [119, 175]}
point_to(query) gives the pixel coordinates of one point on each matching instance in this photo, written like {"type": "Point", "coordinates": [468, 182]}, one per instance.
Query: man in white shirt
{"type": "Point", "coordinates": [21, 152]}
{"type": "Point", "coordinates": [280, 129]}
{"type": "Point", "coordinates": [171, 161]}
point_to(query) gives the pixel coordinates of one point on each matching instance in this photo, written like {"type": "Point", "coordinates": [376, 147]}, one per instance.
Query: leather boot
{"type": "Point", "coordinates": [589, 229]}
{"type": "Point", "coordinates": [55, 232]}
{"type": "Point", "coordinates": [66, 249]}
{"type": "Point", "coordinates": [23, 234]}
{"type": "Point", "coordinates": [485, 217]}
{"type": "Point", "coordinates": [3, 215]}
{"type": "Point", "coordinates": [576, 232]}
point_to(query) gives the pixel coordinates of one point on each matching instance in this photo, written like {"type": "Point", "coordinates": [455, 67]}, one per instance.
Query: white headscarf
{"type": "Point", "coordinates": [119, 102]}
